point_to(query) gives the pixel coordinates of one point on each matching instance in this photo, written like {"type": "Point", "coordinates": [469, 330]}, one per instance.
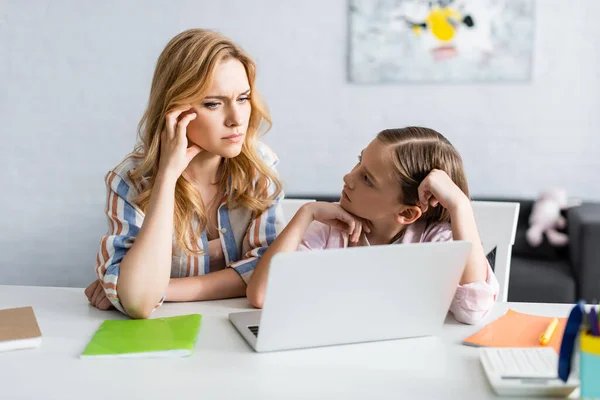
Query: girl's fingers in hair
{"type": "Point", "coordinates": [424, 192]}
{"type": "Point", "coordinates": [433, 202]}
{"type": "Point", "coordinates": [424, 200]}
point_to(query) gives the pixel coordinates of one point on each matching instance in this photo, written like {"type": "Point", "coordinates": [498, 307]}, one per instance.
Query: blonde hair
{"type": "Point", "coordinates": [416, 152]}
{"type": "Point", "coordinates": [183, 74]}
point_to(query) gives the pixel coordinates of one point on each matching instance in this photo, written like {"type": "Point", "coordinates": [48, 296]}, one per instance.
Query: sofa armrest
{"type": "Point", "coordinates": [584, 249]}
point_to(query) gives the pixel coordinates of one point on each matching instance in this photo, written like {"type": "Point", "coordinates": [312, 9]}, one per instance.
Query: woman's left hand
{"type": "Point", "coordinates": [438, 188]}
{"type": "Point", "coordinates": [96, 296]}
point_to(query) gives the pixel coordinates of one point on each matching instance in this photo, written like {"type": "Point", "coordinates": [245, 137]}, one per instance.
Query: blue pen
{"type": "Point", "coordinates": [568, 341]}
{"type": "Point", "coordinates": [593, 319]}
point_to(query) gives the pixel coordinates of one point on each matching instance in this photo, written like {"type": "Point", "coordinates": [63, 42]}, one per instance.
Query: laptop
{"type": "Point", "coordinates": [352, 295]}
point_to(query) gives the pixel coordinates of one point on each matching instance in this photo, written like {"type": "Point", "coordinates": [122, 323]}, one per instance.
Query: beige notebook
{"type": "Point", "coordinates": [19, 329]}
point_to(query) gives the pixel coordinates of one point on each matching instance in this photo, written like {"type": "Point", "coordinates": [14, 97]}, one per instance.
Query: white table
{"type": "Point", "coordinates": [224, 366]}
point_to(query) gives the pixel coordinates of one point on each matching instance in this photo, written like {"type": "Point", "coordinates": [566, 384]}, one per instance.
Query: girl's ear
{"type": "Point", "coordinates": [408, 215]}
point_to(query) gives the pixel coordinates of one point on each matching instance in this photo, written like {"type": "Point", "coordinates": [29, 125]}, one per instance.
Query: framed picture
{"type": "Point", "coordinates": [398, 41]}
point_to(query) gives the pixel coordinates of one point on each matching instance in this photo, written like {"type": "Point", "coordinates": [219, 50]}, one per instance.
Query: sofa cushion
{"type": "Point", "coordinates": [541, 281]}
{"type": "Point", "coordinates": [545, 251]}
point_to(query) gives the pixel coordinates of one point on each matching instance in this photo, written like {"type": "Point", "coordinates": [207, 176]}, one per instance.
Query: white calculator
{"type": "Point", "coordinates": [525, 372]}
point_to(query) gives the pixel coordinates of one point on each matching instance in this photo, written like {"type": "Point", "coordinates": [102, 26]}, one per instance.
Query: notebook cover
{"type": "Point", "coordinates": [515, 329]}
{"type": "Point", "coordinates": [18, 324]}
{"type": "Point", "coordinates": [139, 337]}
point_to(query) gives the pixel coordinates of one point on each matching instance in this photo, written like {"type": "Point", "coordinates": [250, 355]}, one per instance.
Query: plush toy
{"type": "Point", "coordinates": [545, 218]}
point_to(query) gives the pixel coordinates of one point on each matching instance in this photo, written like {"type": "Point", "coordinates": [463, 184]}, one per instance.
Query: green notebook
{"type": "Point", "coordinates": [161, 337]}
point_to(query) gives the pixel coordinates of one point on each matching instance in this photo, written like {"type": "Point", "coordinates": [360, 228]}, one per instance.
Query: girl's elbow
{"type": "Point", "coordinates": [468, 318]}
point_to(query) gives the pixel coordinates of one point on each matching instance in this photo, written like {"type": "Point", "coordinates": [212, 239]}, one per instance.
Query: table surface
{"type": "Point", "coordinates": [224, 366]}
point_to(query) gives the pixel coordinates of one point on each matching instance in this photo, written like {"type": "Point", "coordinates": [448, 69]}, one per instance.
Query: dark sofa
{"type": "Point", "coordinates": [558, 275]}
{"type": "Point", "coordinates": [546, 274]}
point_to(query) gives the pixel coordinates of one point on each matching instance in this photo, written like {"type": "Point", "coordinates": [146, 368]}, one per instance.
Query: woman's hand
{"type": "Point", "coordinates": [438, 188]}
{"type": "Point", "coordinates": [175, 150]}
{"type": "Point", "coordinates": [96, 296]}
{"type": "Point", "coordinates": [334, 215]}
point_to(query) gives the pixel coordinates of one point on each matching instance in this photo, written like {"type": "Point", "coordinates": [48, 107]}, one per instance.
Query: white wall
{"type": "Point", "coordinates": [74, 79]}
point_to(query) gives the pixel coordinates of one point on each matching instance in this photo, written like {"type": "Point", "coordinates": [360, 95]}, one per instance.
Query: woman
{"type": "Point", "coordinates": [194, 207]}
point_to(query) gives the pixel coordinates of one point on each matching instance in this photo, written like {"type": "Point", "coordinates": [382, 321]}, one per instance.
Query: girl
{"type": "Point", "coordinates": [193, 208]}
{"type": "Point", "coordinates": [409, 186]}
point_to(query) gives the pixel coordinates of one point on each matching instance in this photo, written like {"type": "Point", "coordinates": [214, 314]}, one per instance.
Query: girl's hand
{"type": "Point", "coordinates": [438, 188]}
{"type": "Point", "coordinates": [175, 151]}
{"type": "Point", "coordinates": [334, 215]}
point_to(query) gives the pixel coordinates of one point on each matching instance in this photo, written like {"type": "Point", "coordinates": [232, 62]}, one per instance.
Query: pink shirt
{"type": "Point", "coordinates": [471, 301]}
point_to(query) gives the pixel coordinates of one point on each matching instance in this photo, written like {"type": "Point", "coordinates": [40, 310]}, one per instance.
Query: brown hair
{"type": "Point", "coordinates": [183, 74]}
{"type": "Point", "coordinates": [416, 152]}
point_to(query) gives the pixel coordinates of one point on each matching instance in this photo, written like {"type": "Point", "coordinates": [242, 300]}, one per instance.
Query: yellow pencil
{"type": "Point", "coordinates": [547, 335]}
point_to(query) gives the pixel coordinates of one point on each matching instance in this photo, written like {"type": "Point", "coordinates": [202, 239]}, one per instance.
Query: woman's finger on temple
{"type": "Point", "coordinates": [172, 118]}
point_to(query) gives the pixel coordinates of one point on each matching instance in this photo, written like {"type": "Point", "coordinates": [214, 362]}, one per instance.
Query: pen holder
{"type": "Point", "coordinates": [589, 365]}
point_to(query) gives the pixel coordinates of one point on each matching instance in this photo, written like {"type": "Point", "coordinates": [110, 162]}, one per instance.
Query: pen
{"type": "Point", "coordinates": [568, 342]}
{"type": "Point", "coordinates": [547, 335]}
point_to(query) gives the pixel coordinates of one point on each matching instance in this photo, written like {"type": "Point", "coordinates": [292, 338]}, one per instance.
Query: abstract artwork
{"type": "Point", "coordinates": [440, 41]}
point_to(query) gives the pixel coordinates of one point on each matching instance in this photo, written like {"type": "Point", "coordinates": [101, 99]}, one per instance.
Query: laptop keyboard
{"type": "Point", "coordinates": [254, 330]}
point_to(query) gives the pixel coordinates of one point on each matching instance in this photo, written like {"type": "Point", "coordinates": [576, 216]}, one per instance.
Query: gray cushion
{"type": "Point", "coordinates": [541, 281]}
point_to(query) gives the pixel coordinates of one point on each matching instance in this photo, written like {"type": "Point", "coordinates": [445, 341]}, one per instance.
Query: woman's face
{"type": "Point", "coordinates": [223, 114]}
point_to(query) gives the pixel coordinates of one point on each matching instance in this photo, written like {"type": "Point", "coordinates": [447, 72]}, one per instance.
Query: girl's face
{"type": "Point", "coordinates": [223, 114]}
{"type": "Point", "coordinates": [371, 190]}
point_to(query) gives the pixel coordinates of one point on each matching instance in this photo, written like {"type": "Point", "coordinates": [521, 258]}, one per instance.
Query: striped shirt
{"type": "Point", "coordinates": [243, 236]}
